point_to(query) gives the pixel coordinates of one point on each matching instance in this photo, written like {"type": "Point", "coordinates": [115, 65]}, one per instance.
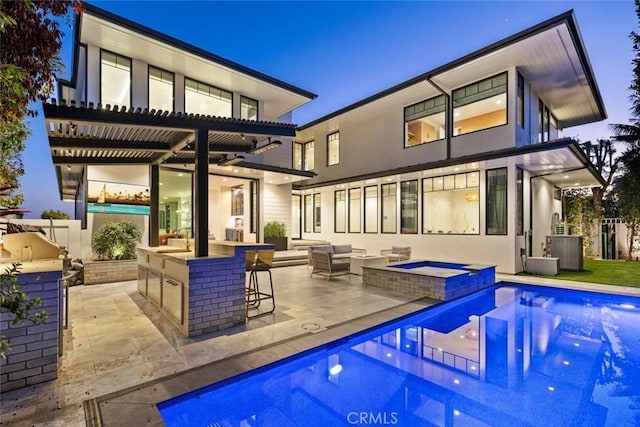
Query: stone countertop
{"type": "Point", "coordinates": [35, 266]}
{"type": "Point", "coordinates": [180, 254]}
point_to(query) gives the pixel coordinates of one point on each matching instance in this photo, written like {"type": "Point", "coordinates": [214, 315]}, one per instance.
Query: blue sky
{"type": "Point", "coordinates": [346, 51]}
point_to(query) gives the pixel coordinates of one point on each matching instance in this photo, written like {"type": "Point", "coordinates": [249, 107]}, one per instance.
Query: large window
{"type": "Point", "coordinates": [547, 123]}
{"type": "Point", "coordinates": [409, 207]}
{"type": "Point", "coordinates": [303, 155]}
{"type": "Point", "coordinates": [115, 79]}
{"type": "Point", "coordinates": [355, 213]}
{"type": "Point", "coordinates": [371, 209]}
{"type": "Point", "coordinates": [480, 105]}
{"type": "Point", "coordinates": [519, 202]}
{"type": "Point", "coordinates": [333, 148]}
{"type": "Point", "coordinates": [425, 121]}
{"type": "Point", "coordinates": [316, 213]}
{"type": "Point", "coordinates": [497, 201]}
{"type": "Point", "coordinates": [201, 98]}
{"type": "Point", "coordinates": [388, 208]}
{"type": "Point", "coordinates": [160, 89]}
{"type": "Point", "coordinates": [340, 210]}
{"type": "Point", "coordinates": [451, 204]}
{"type": "Point", "coordinates": [248, 108]}
{"type": "Point", "coordinates": [175, 202]}
{"type": "Point", "coordinates": [308, 213]}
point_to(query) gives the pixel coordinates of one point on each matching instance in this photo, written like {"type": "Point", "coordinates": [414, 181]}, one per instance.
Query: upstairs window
{"type": "Point", "coordinates": [115, 79]}
{"type": "Point", "coordinates": [201, 98]}
{"type": "Point", "coordinates": [480, 105]}
{"type": "Point", "coordinates": [425, 121]}
{"type": "Point", "coordinates": [248, 108]}
{"type": "Point", "coordinates": [547, 123]}
{"type": "Point", "coordinates": [520, 102]}
{"type": "Point", "coordinates": [333, 148]}
{"type": "Point", "coordinates": [303, 153]}
{"type": "Point", "coordinates": [160, 89]}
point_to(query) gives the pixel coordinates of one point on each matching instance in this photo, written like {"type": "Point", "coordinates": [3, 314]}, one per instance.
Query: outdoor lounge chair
{"type": "Point", "coordinates": [397, 253]}
{"type": "Point", "coordinates": [324, 265]}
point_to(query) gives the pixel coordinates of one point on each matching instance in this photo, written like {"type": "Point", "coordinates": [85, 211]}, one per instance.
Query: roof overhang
{"type": "Point", "coordinates": [99, 27]}
{"type": "Point", "coordinates": [550, 55]}
{"type": "Point", "coordinates": [81, 136]}
{"type": "Point", "coordinates": [561, 162]}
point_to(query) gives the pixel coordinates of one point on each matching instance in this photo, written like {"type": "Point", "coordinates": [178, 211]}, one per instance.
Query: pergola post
{"type": "Point", "coordinates": [201, 194]}
{"type": "Point", "coordinates": [154, 196]}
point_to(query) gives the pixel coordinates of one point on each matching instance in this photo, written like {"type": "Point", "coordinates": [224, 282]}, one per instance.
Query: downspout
{"type": "Point", "coordinates": [448, 116]}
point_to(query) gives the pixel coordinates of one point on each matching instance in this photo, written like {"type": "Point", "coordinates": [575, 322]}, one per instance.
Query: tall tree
{"type": "Point", "coordinates": [30, 41]}
{"type": "Point", "coordinates": [603, 156]}
{"type": "Point", "coordinates": [628, 186]}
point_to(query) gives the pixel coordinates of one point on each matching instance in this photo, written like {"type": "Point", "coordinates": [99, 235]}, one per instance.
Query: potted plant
{"type": "Point", "coordinates": [116, 240]}
{"type": "Point", "coordinates": [114, 246]}
{"type": "Point", "coordinates": [275, 233]}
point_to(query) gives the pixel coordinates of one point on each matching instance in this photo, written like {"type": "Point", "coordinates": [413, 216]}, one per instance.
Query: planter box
{"type": "Point", "coordinates": [96, 272]}
{"type": "Point", "coordinates": [280, 243]}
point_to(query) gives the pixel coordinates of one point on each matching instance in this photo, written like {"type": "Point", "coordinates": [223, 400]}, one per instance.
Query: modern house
{"type": "Point", "coordinates": [463, 163]}
{"type": "Point", "coordinates": [172, 137]}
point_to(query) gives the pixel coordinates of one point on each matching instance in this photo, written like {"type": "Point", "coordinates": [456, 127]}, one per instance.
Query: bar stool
{"type": "Point", "coordinates": [256, 261]}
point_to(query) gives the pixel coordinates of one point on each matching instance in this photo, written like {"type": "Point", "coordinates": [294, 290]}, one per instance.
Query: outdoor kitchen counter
{"type": "Point", "coordinates": [197, 294]}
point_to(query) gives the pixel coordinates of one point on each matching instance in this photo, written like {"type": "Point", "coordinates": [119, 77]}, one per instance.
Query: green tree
{"type": "Point", "coordinates": [17, 302]}
{"type": "Point", "coordinates": [53, 214]}
{"type": "Point", "coordinates": [30, 41]}
{"type": "Point", "coordinates": [116, 240]}
{"type": "Point", "coordinates": [579, 212]}
{"type": "Point", "coordinates": [603, 157]}
{"type": "Point", "coordinates": [627, 187]}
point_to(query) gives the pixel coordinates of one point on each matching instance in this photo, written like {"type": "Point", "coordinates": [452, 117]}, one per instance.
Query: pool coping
{"type": "Point", "coordinates": [137, 405]}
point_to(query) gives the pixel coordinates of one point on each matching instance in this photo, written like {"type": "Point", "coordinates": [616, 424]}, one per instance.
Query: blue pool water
{"type": "Point", "coordinates": [510, 355]}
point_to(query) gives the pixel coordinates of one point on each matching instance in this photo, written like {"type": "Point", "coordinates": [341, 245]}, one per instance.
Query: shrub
{"type": "Point", "coordinates": [116, 240]}
{"type": "Point", "coordinates": [54, 214]}
{"type": "Point", "coordinates": [274, 229]}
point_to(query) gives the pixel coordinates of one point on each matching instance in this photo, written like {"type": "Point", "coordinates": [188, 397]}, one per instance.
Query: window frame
{"type": "Point", "coordinates": [393, 185]}
{"type": "Point", "coordinates": [416, 116]}
{"type": "Point", "coordinates": [520, 117]}
{"type": "Point", "coordinates": [343, 193]}
{"type": "Point", "coordinates": [173, 86]}
{"type": "Point", "coordinates": [330, 143]}
{"type": "Point", "coordinates": [404, 200]}
{"type": "Point", "coordinates": [364, 219]}
{"type": "Point", "coordinates": [130, 76]}
{"type": "Point", "coordinates": [307, 203]}
{"type": "Point", "coordinates": [479, 84]}
{"type": "Point", "coordinates": [303, 155]}
{"type": "Point", "coordinates": [198, 82]}
{"type": "Point", "coordinates": [457, 185]}
{"type": "Point", "coordinates": [242, 98]}
{"type": "Point", "coordinates": [317, 212]}
{"type": "Point", "coordinates": [359, 210]}
{"type": "Point", "coordinates": [519, 201]}
{"type": "Point", "coordinates": [503, 231]}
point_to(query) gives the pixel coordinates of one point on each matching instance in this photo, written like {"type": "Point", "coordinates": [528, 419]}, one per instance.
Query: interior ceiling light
{"type": "Point", "coordinates": [230, 161]}
{"type": "Point", "coordinates": [266, 147]}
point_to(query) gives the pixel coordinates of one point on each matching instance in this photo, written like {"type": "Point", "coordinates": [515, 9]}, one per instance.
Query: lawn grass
{"type": "Point", "coordinates": [610, 272]}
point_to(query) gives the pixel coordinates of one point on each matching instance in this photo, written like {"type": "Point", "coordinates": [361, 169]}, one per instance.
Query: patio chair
{"type": "Point", "coordinates": [256, 261]}
{"type": "Point", "coordinates": [324, 265]}
{"type": "Point", "coordinates": [397, 253]}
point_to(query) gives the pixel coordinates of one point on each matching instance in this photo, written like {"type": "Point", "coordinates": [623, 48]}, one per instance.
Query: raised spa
{"type": "Point", "coordinates": [433, 279]}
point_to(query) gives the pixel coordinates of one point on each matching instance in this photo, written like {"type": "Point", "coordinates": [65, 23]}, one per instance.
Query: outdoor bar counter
{"type": "Point", "coordinates": [197, 294]}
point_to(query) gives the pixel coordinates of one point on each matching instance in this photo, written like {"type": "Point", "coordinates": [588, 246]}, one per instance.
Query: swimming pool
{"type": "Point", "coordinates": [510, 355]}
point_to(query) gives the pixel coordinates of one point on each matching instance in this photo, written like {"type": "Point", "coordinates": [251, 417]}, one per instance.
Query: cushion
{"type": "Point", "coordinates": [323, 248]}
{"type": "Point", "coordinates": [341, 249]}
